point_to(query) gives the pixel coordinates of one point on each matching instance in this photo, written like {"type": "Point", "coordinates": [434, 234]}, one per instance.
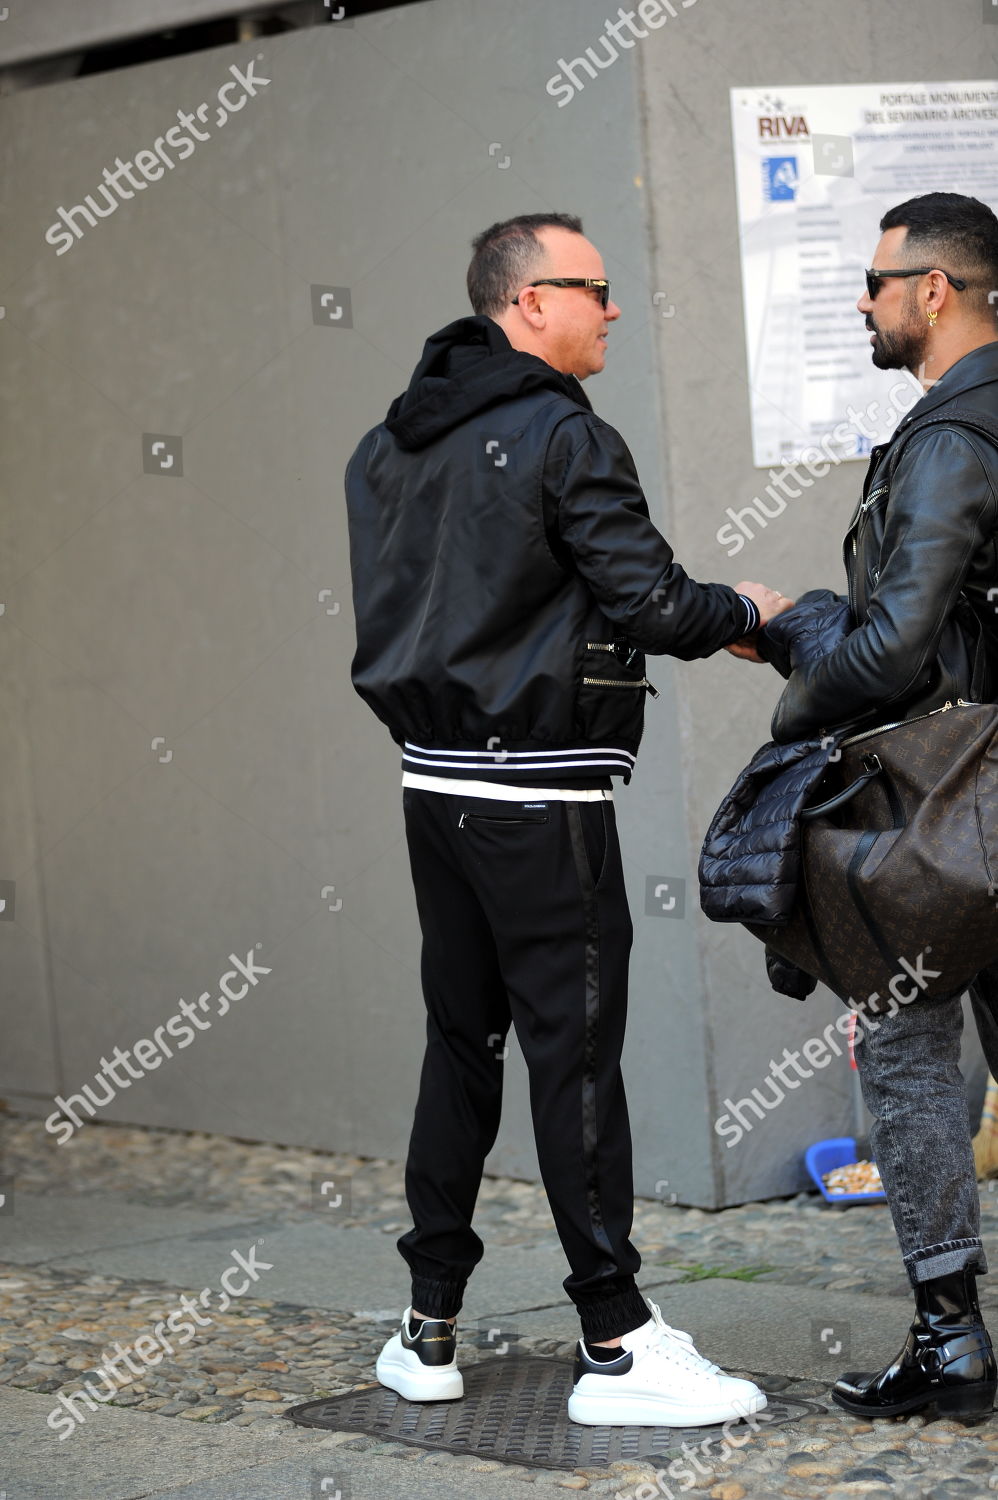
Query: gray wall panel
{"type": "Point", "coordinates": [687, 69]}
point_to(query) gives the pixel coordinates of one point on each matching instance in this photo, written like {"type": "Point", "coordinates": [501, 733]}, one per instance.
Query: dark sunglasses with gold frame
{"type": "Point", "coordinates": [599, 283]}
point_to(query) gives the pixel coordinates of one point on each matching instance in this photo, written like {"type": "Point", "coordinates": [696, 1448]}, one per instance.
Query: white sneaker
{"type": "Point", "coordinates": [422, 1366]}
{"type": "Point", "coordinates": [658, 1380]}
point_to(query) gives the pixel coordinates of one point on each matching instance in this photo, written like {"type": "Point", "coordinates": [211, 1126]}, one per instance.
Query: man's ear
{"type": "Point", "coordinates": [529, 308]}
{"type": "Point", "coordinates": [939, 289]}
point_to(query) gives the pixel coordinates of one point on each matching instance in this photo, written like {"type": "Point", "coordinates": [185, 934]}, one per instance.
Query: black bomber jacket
{"type": "Point", "coordinates": [507, 579]}
{"type": "Point", "coordinates": [921, 558]}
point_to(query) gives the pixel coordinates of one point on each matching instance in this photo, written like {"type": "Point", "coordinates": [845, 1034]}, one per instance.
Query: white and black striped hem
{"type": "Point", "coordinates": [595, 759]}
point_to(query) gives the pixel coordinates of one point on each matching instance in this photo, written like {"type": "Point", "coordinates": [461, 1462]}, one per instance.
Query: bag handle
{"type": "Point", "coordinates": [873, 768]}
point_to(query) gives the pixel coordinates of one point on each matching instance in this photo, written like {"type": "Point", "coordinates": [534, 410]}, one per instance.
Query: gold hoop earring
{"type": "Point", "coordinates": [933, 315]}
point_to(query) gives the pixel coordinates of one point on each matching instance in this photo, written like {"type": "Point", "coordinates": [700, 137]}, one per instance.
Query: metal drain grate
{"type": "Point", "coordinates": [516, 1409]}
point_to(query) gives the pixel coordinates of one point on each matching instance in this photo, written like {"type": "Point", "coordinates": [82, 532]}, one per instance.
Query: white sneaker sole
{"type": "Point", "coordinates": [428, 1384]}
{"type": "Point", "coordinates": [629, 1409]}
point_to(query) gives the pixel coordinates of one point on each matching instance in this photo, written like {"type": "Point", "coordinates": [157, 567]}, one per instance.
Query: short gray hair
{"type": "Point", "coordinates": [505, 256]}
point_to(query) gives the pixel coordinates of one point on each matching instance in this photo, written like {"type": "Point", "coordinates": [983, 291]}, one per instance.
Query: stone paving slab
{"type": "Point", "coordinates": [115, 1455]}
{"type": "Point", "coordinates": [120, 1455]}
{"type": "Point", "coordinates": [50, 1228]}
{"type": "Point", "coordinates": [313, 1264]}
{"type": "Point", "coordinates": [369, 1478]}
{"type": "Point", "coordinates": [371, 1481]}
{"type": "Point", "coordinates": [762, 1327]}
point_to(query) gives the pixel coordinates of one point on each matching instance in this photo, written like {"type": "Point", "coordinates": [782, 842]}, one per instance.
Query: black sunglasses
{"type": "Point", "coordinates": [874, 278]}
{"type": "Point", "coordinates": [603, 287]}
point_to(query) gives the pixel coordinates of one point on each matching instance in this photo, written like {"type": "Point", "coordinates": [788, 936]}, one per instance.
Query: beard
{"type": "Point", "coordinates": [904, 347]}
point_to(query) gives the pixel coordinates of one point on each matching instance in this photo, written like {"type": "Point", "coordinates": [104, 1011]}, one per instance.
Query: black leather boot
{"type": "Point", "coordinates": [947, 1361]}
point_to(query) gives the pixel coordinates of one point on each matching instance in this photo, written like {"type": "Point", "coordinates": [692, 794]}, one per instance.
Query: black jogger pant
{"type": "Point", "coordinates": [524, 919]}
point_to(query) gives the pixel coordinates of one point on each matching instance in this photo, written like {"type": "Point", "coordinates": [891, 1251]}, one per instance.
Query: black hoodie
{"type": "Point", "coordinates": [466, 368]}
{"type": "Point", "coordinates": [506, 576]}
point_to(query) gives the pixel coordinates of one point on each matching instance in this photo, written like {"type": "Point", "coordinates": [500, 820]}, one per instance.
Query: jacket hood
{"type": "Point", "coordinates": [465, 368]}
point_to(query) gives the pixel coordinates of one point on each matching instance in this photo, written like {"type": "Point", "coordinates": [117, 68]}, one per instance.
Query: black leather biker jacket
{"type": "Point", "coordinates": [921, 560]}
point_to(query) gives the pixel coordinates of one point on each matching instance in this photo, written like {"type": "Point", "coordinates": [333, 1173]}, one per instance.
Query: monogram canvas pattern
{"type": "Point", "coordinates": [880, 901]}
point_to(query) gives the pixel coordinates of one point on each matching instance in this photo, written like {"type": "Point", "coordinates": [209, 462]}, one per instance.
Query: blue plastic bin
{"type": "Point", "coordinates": [823, 1156]}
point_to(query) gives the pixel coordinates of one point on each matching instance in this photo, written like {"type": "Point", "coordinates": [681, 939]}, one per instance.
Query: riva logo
{"type": "Point", "coordinates": [779, 127]}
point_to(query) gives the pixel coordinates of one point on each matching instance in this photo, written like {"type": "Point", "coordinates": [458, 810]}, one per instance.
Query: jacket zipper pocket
{"type": "Point", "coordinates": [861, 511]}
{"type": "Point", "coordinates": [615, 682]}
{"type": "Point", "coordinates": [873, 497]}
{"type": "Point", "coordinates": [612, 682]}
{"type": "Point", "coordinates": [492, 818]}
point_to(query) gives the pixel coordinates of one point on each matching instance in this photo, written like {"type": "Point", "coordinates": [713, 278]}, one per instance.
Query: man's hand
{"type": "Point", "coordinates": [767, 601]}
{"type": "Point", "coordinates": [744, 649]}
{"type": "Point", "coordinates": [769, 604]}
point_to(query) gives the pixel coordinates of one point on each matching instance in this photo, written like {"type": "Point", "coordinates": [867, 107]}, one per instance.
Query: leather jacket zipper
{"type": "Point", "coordinates": [862, 510]}
{"type": "Point", "coordinates": [873, 496]}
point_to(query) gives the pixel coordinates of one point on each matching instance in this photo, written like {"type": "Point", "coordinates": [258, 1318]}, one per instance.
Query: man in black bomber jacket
{"type": "Point", "coordinates": [507, 580]}
{"type": "Point", "coordinates": [921, 557]}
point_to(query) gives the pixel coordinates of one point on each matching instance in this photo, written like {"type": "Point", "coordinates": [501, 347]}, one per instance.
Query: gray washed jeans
{"type": "Point", "coordinates": [909, 1069]}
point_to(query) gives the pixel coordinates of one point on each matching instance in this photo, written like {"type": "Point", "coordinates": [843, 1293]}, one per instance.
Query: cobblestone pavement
{"type": "Point", "coordinates": [256, 1361]}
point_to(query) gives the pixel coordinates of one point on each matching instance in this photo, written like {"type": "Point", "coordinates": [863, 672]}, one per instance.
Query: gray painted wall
{"type": "Point", "coordinates": [686, 71]}
{"type": "Point", "coordinates": [187, 770]}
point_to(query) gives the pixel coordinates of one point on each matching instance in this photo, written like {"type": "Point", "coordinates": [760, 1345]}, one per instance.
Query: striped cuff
{"type": "Point", "coordinates": [754, 619]}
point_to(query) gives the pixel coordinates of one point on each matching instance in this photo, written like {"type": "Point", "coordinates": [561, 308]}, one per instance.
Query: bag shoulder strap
{"type": "Point", "coordinates": [962, 417]}
{"type": "Point", "coordinates": [955, 416]}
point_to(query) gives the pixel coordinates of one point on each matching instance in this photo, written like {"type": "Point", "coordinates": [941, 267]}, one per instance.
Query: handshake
{"type": "Point", "coordinates": [769, 604]}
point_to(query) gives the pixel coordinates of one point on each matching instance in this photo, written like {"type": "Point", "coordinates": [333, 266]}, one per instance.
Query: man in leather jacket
{"type": "Point", "coordinates": [507, 580]}
{"type": "Point", "coordinates": [921, 557]}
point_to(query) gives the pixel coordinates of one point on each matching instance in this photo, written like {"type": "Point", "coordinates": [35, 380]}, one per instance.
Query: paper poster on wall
{"type": "Point", "coordinates": [816, 169]}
